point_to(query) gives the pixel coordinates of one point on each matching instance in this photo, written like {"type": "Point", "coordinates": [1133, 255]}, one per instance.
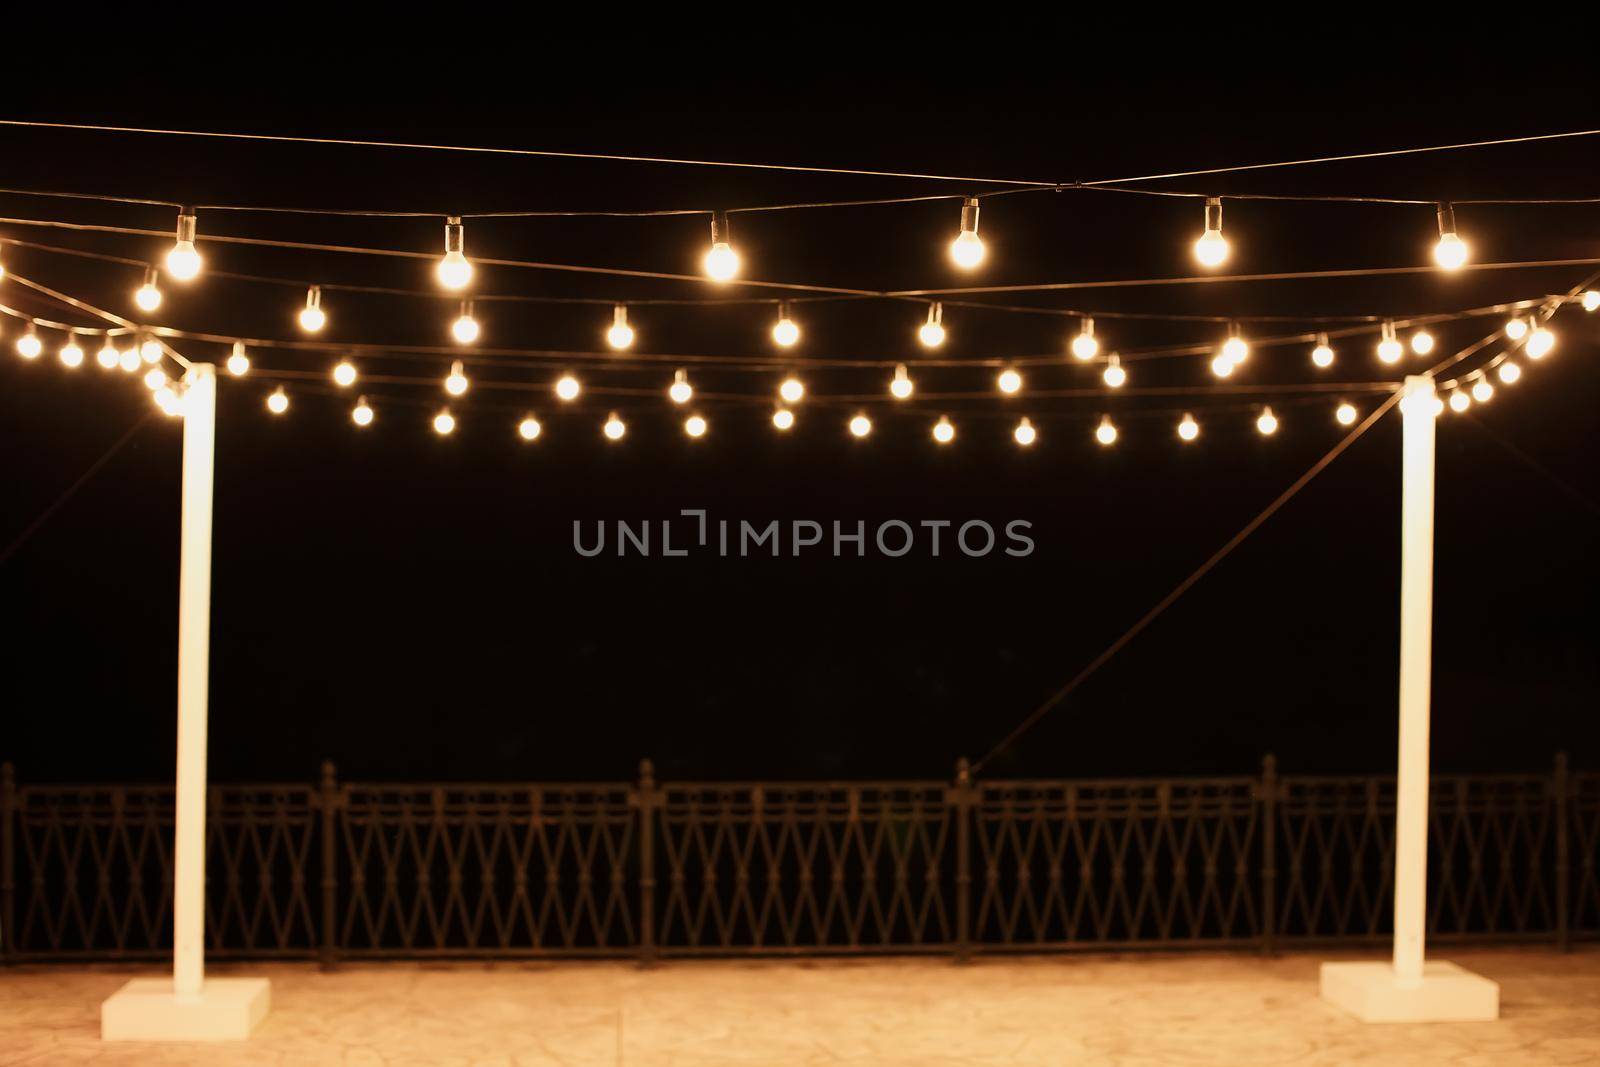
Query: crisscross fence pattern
{"type": "Point", "coordinates": [333, 870]}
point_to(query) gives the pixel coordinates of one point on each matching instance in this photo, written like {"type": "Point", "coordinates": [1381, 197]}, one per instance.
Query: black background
{"type": "Point", "coordinates": [412, 607]}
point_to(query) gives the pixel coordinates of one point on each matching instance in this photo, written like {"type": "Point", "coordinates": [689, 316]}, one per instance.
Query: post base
{"type": "Point", "coordinates": [146, 1009]}
{"type": "Point", "coordinates": [1447, 993]}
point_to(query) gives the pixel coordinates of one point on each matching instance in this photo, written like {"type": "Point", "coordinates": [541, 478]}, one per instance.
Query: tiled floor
{"type": "Point", "coordinates": [1127, 1011]}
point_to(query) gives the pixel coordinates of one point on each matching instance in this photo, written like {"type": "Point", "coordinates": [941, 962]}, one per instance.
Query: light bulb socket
{"type": "Point", "coordinates": [1388, 330]}
{"type": "Point", "coordinates": [680, 376]}
{"type": "Point", "coordinates": [150, 276]}
{"type": "Point", "coordinates": [466, 309]}
{"type": "Point", "coordinates": [969, 215]}
{"type": "Point", "coordinates": [719, 227]}
{"type": "Point", "coordinates": [783, 310]}
{"type": "Point", "coordinates": [1233, 329]}
{"type": "Point", "coordinates": [314, 297]}
{"type": "Point", "coordinates": [1322, 340]}
{"type": "Point", "coordinates": [454, 235]}
{"type": "Point", "coordinates": [186, 224]}
{"type": "Point", "coordinates": [936, 313]}
{"type": "Point", "coordinates": [619, 315]}
{"type": "Point", "coordinates": [457, 370]}
{"type": "Point", "coordinates": [1447, 219]}
{"type": "Point", "coordinates": [1214, 213]}
{"type": "Point", "coordinates": [1087, 329]}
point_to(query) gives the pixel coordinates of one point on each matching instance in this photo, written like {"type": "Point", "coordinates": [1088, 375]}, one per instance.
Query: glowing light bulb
{"type": "Point", "coordinates": [238, 362]}
{"type": "Point", "coordinates": [1236, 349]}
{"type": "Point", "coordinates": [1221, 365]}
{"type": "Point", "coordinates": [695, 426]}
{"type": "Point", "coordinates": [615, 427]}
{"type": "Point", "coordinates": [1459, 400]}
{"type": "Point", "coordinates": [721, 262]}
{"type": "Point", "coordinates": [944, 430]}
{"type": "Point", "coordinates": [129, 359]}
{"type": "Point", "coordinates": [783, 419]}
{"type": "Point", "coordinates": [1389, 348]}
{"type": "Point", "coordinates": [1422, 342]}
{"type": "Point", "coordinates": [344, 374]}
{"type": "Point", "coordinates": [1322, 355]}
{"type": "Point", "coordinates": [155, 378]}
{"type": "Point", "coordinates": [529, 429]}
{"type": "Point", "coordinates": [465, 329]}
{"type": "Point", "coordinates": [312, 317]}
{"type": "Point", "coordinates": [680, 391]}
{"type": "Point", "coordinates": [1024, 433]}
{"type": "Point", "coordinates": [1482, 390]}
{"type": "Point", "coordinates": [1591, 299]}
{"type": "Point", "coordinates": [792, 390]}
{"type": "Point", "coordinates": [1084, 346]}
{"type": "Point", "coordinates": [1451, 251]}
{"type": "Point", "coordinates": [1540, 342]}
{"type": "Point", "coordinates": [1188, 429]}
{"type": "Point", "coordinates": [900, 386]}
{"type": "Point", "coordinates": [860, 426]}
{"type": "Point", "coordinates": [71, 354]}
{"type": "Point", "coordinates": [1345, 413]}
{"type": "Point", "coordinates": [361, 414]}
{"type": "Point", "coordinates": [784, 332]}
{"type": "Point", "coordinates": [931, 333]}
{"type": "Point", "coordinates": [967, 249]}
{"type": "Point", "coordinates": [1267, 422]}
{"type": "Point", "coordinates": [455, 383]}
{"type": "Point", "coordinates": [183, 259]}
{"type": "Point", "coordinates": [1509, 372]}
{"type": "Point", "coordinates": [150, 350]}
{"type": "Point", "coordinates": [454, 270]}
{"type": "Point", "coordinates": [567, 388]}
{"type": "Point", "coordinates": [620, 335]}
{"type": "Point", "coordinates": [28, 345]}
{"type": "Point", "coordinates": [168, 401]}
{"type": "Point", "coordinates": [1106, 432]}
{"type": "Point", "coordinates": [148, 295]}
{"type": "Point", "coordinates": [108, 356]}
{"type": "Point", "coordinates": [278, 401]}
{"type": "Point", "coordinates": [1009, 382]}
{"type": "Point", "coordinates": [1114, 376]}
{"type": "Point", "coordinates": [1516, 329]}
{"type": "Point", "coordinates": [1212, 248]}
{"type": "Point", "coordinates": [444, 423]}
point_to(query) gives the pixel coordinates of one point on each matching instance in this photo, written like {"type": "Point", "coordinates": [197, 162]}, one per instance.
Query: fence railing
{"type": "Point", "coordinates": [333, 870]}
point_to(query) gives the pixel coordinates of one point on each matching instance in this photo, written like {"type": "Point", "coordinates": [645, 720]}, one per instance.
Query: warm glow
{"type": "Point", "coordinates": [1345, 413]}
{"type": "Point", "coordinates": [238, 362]}
{"type": "Point", "coordinates": [967, 250]}
{"type": "Point", "coordinates": [1025, 433]}
{"type": "Point", "coordinates": [444, 422]}
{"type": "Point", "coordinates": [1222, 366]}
{"type": "Point", "coordinates": [1451, 252]}
{"type": "Point", "coordinates": [1236, 350]}
{"type": "Point", "coordinates": [783, 419]}
{"type": "Point", "coordinates": [1540, 342]}
{"type": "Point", "coordinates": [168, 400]}
{"type": "Point", "coordinates": [1591, 299]}
{"type": "Point", "coordinates": [278, 401]}
{"type": "Point", "coordinates": [1390, 350]}
{"type": "Point", "coordinates": [784, 332]}
{"type": "Point", "coordinates": [1105, 433]}
{"type": "Point", "coordinates": [1267, 422]}
{"type": "Point", "coordinates": [344, 375]}
{"type": "Point", "coordinates": [1322, 355]}
{"type": "Point", "coordinates": [900, 386]}
{"type": "Point", "coordinates": [567, 387]}
{"type": "Point", "coordinates": [680, 391]}
{"type": "Point", "coordinates": [1211, 249]}
{"type": "Point", "coordinates": [71, 354]}
{"type": "Point", "coordinates": [1009, 382]}
{"type": "Point", "coordinates": [1188, 429]}
{"type": "Point", "coordinates": [529, 428]}
{"type": "Point", "coordinates": [183, 260]}
{"type": "Point", "coordinates": [931, 332]}
{"type": "Point", "coordinates": [150, 351]}
{"type": "Point", "coordinates": [454, 271]}
{"type": "Point", "coordinates": [129, 359]}
{"type": "Point", "coordinates": [455, 383]}
{"type": "Point", "coordinates": [1459, 400]}
{"type": "Point", "coordinates": [944, 430]}
{"type": "Point", "coordinates": [155, 378]}
{"type": "Point", "coordinates": [792, 390]}
{"type": "Point", "coordinates": [361, 414]}
{"type": "Point", "coordinates": [147, 296]}
{"type": "Point", "coordinates": [29, 346]}
{"type": "Point", "coordinates": [312, 317]}
{"type": "Point", "coordinates": [1482, 390]}
{"type": "Point", "coordinates": [860, 426]}
{"type": "Point", "coordinates": [614, 427]}
{"type": "Point", "coordinates": [1114, 375]}
{"type": "Point", "coordinates": [1509, 372]}
{"type": "Point", "coordinates": [694, 426]}
{"type": "Point", "coordinates": [465, 329]}
{"type": "Point", "coordinates": [620, 335]}
{"type": "Point", "coordinates": [1516, 329]}
{"type": "Point", "coordinates": [108, 355]}
{"type": "Point", "coordinates": [1085, 346]}
{"type": "Point", "coordinates": [1422, 342]}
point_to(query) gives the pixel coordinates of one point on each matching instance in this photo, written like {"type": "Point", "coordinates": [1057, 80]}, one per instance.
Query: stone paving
{"type": "Point", "coordinates": [1128, 1011]}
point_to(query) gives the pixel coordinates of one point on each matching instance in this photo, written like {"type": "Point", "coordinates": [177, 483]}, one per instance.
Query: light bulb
{"type": "Point", "coordinates": [1114, 375]}
{"type": "Point", "coordinates": [680, 391]}
{"type": "Point", "coordinates": [1591, 299]}
{"type": "Point", "coordinates": [1212, 248]}
{"type": "Point", "coordinates": [900, 386]}
{"type": "Point", "coordinates": [238, 362]}
{"type": "Point", "coordinates": [1345, 413]}
{"type": "Point", "coordinates": [71, 354]}
{"type": "Point", "coordinates": [1221, 365]}
{"type": "Point", "coordinates": [150, 350]}
{"type": "Point", "coordinates": [455, 383]}
{"type": "Point", "coordinates": [1025, 433]}
{"type": "Point", "coordinates": [1105, 433]}
{"type": "Point", "coordinates": [860, 426]}
{"type": "Point", "coordinates": [465, 328]}
{"type": "Point", "coordinates": [1451, 251]}
{"type": "Point", "coordinates": [454, 271]}
{"type": "Point", "coordinates": [1540, 342]}
{"type": "Point", "coordinates": [29, 346]}
{"type": "Point", "coordinates": [694, 426]}
{"type": "Point", "coordinates": [1236, 349]}
{"type": "Point", "coordinates": [1459, 400]}
{"type": "Point", "coordinates": [1509, 372]}
{"type": "Point", "coordinates": [529, 428]}
{"type": "Point", "coordinates": [931, 333]}
{"type": "Point", "coordinates": [312, 317]}
{"type": "Point", "coordinates": [361, 414]}
{"type": "Point", "coordinates": [148, 295]}
{"type": "Point", "coordinates": [1422, 342]}
{"type": "Point", "coordinates": [783, 419]}
{"type": "Point", "coordinates": [784, 332]}
{"type": "Point", "coordinates": [1188, 429]}
{"type": "Point", "coordinates": [1267, 422]}
{"type": "Point", "coordinates": [183, 260]}
{"type": "Point", "coordinates": [1389, 349]}
{"type": "Point", "coordinates": [1322, 355]}
{"type": "Point", "coordinates": [792, 391]}
{"type": "Point", "coordinates": [1084, 346]}
{"type": "Point", "coordinates": [344, 375]}
{"type": "Point", "coordinates": [1516, 329]}
{"type": "Point", "coordinates": [108, 356]}
{"type": "Point", "coordinates": [1482, 390]}
{"type": "Point", "coordinates": [444, 423]}
{"type": "Point", "coordinates": [615, 427]}
{"type": "Point", "coordinates": [1009, 381]}
{"type": "Point", "coordinates": [129, 359]}
{"type": "Point", "coordinates": [168, 401]}
{"type": "Point", "coordinates": [721, 261]}
{"type": "Point", "coordinates": [155, 378]}
{"type": "Point", "coordinates": [944, 430]}
{"type": "Point", "coordinates": [967, 249]}
{"type": "Point", "coordinates": [567, 387]}
{"type": "Point", "coordinates": [278, 401]}
{"type": "Point", "coordinates": [620, 335]}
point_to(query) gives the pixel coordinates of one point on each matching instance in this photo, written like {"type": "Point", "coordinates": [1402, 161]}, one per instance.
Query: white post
{"type": "Point", "coordinates": [1417, 414]}
{"type": "Point", "coordinates": [194, 652]}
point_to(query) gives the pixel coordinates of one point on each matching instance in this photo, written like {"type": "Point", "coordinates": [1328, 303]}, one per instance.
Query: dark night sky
{"type": "Point", "coordinates": [413, 608]}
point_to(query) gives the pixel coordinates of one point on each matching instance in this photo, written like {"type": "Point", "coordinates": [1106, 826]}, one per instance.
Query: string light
{"type": "Point", "coordinates": [108, 355]}
{"type": "Point", "coordinates": [444, 423]}
{"type": "Point", "coordinates": [168, 400]}
{"type": "Point", "coordinates": [931, 333]}
{"type": "Point", "coordinates": [1212, 248]}
{"type": "Point", "coordinates": [1451, 251]}
{"type": "Point", "coordinates": [1236, 348]}
{"type": "Point", "coordinates": [1106, 432]}
{"type": "Point", "coordinates": [1459, 400]}
{"type": "Point", "coordinates": [1345, 413]}
{"type": "Point", "coordinates": [1009, 381]}
{"type": "Point", "coordinates": [1422, 342]}
{"type": "Point", "coordinates": [148, 295]}
{"type": "Point", "coordinates": [680, 391]}
{"type": "Point", "coordinates": [238, 362]}
{"type": "Point", "coordinates": [1025, 433]}
{"type": "Point", "coordinates": [567, 388]}
{"type": "Point", "coordinates": [1322, 355]}
{"type": "Point", "coordinates": [783, 419]}
{"type": "Point", "coordinates": [967, 249]}
{"type": "Point", "coordinates": [455, 383]}
{"type": "Point", "coordinates": [28, 345]}
{"type": "Point", "coordinates": [1540, 342]}
{"type": "Point", "coordinates": [454, 270]}
{"type": "Point", "coordinates": [278, 401]}
{"type": "Point", "coordinates": [128, 359]}
{"type": "Point", "coordinates": [465, 329]}
{"type": "Point", "coordinates": [1516, 329]}
{"type": "Point", "coordinates": [944, 430]}
{"type": "Point", "coordinates": [1188, 429]}
{"type": "Point", "coordinates": [1591, 297]}
{"type": "Point", "coordinates": [1084, 346]}
{"type": "Point", "coordinates": [150, 350]}
{"type": "Point", "coordinates": [361, 414]}
{"type": "Point", "coordinates": [721, 261]}
{"type": "Point", "coordinates": [695, 426]}
{"type": "Point", "coordinates": [71, 354]}
{"type": "Point", "coordinates": [860, 425]}
{"type": "Point", "coordinates": [529, 429]}
{"type": "Point", "coordinates": [792, 390]}
{"type": "Point", "coordinates": [1509, 372]}
{"type": "Point", "coordinates": [344, 374]}
{"type": "Point", "coordinates": [1267, 422]}
{"type": "Point", "coordinates": [1482, 390]}
{"type": "Point", "coordinates": [785, 332]}
{"type": "Point", "coordinates": [183, 259]}
{"type": "Point", "coordinates": [900, 386]}
{"type": "Point", "coordinates": [1389, 350]}
{"type": "Point", "coordinates": [312, 317]}
{"type": "Point", "coordinates": [614, 427]}
{"type": "Point", "coordinates": [1221, 365]}
{"type": "Point", "coordinates": [621, 334]}
{"type": "Point", "coordinates": [1114, 376]}
{"type": "Point", "coordinates": [155, 378]}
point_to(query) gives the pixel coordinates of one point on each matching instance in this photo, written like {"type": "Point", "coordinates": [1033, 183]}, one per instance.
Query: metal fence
{"type": "Point", "coordinates": [339, 870]}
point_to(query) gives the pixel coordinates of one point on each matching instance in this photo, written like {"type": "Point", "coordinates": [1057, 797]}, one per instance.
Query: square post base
{"type": "Point", "coordinates": [146, 1009]}
{"type": "Point", "coordinates": [1447, 993]}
